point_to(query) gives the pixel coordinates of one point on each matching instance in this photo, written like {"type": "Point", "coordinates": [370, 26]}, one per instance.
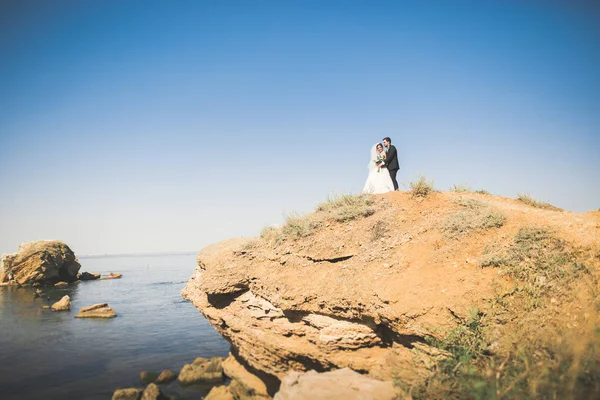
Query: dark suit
{"type": "Point", "coordinates": [391, 162]}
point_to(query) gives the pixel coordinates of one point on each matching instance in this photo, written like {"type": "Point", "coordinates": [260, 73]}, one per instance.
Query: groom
{"type": "Point", "coordinates": [391, 160]}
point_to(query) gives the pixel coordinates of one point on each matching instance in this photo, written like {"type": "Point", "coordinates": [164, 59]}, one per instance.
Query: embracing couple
{"type": "Point", "coordinates": [383, 168]}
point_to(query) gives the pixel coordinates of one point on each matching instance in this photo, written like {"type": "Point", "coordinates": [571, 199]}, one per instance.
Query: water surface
{"type": "Point", "coordinates": [52, 355]}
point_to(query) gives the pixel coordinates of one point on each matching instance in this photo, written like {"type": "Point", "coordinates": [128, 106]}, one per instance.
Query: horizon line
{"type": "Point", "coordinates": [165, 253]}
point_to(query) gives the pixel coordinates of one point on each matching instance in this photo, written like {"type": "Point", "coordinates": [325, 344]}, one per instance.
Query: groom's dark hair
{"type": "Point", "coordinates": [388, 139]}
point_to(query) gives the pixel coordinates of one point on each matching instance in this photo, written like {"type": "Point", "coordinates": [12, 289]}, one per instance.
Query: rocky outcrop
{"type": "Point", "coordinates": [333, 292]}
{"type": "Point", "coordinates": [40, 262]}
{"type": "Point", "coordinates": [101, 310]}
{"type": "Point", "coordinates": [63, 304]}
{"type": "Point", "coordinates": [340, 384]}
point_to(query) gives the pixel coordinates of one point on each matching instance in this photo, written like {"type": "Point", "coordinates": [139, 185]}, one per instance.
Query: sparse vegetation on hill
{"type": "Point", "coordinates": [346, 208]}
{"type": "Point", "coordinates": [547, 358]}
{"type": "Point", "coordinates": [300, 226]}
{"type": "Point", "coordinates": [475, 215]}
{"type": "Point", "coordinates": [342, 208]}
{"type": "Point", "coordinates": [460, 189]}
{"type": "Point", "coordinates": [530, 201]}
{"type": "Point", "coordinates": [509, 311]}
{"type": "Point", "coordinates": [421, 187]}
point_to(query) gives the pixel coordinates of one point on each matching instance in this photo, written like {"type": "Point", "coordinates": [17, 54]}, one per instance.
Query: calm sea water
{"type": "Point", "coordinates": [52, 355]}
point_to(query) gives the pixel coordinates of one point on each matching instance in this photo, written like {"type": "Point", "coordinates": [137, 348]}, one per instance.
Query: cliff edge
{"type": "Point", "coordinates": [442, 294]}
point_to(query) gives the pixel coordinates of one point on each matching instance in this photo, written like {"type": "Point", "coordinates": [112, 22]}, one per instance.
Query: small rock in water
{"type": "Point", "coordinates": [202, 371]}
{"type": "Point", "coordinates": [167, 376]}
{"type": "Point", "coordinates": [61, 284]}
{"type": "Point", "coordinates": [46, 307]}
{"type": "Point", "coordinates": [63, 304]}
{"type": "Point", "coordinates": [153, 392]}
{"type": "Point", "coordinates": [101, 310]}
{"type": "Point", "coordinates": [148, 377]}
{"type": "Point", "coordinates": [127, 394]}
{"type": "Point", "coordinates": [88, 276]}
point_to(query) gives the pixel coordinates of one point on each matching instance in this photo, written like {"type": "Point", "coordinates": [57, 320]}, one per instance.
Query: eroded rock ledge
{"type": "Point", "coordinates": [362, 294]}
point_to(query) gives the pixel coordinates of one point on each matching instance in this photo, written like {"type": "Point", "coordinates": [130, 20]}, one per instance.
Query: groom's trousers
{"type": "Point", "coordinates": [393, 173]}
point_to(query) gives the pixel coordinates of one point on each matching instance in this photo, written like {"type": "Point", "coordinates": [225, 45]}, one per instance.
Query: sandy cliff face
{"type": "Point", "coordinates": [366, 292]}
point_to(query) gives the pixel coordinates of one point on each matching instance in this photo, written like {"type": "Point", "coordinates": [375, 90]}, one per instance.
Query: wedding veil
{"type": "Point", "coordinates": [372, 165]}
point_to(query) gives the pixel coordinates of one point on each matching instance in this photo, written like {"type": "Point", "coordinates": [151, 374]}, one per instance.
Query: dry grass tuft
{"type": "Point", "coordinates": [379, 229]}
{"type": "Point", "coordinates": [475, 215]}
{"type": "Point", "coordinates": [421, 187]}
{"type": "Point", "coordinates": [345, 208]}
{"type": "Point", "coordinates": [297, 227]}
{"type": "Point", "coordinates": [460, 189]}
{"type": "Point", "coordinates": [481, 191]}
{"type": "Point", "coordinates": [530, 201]}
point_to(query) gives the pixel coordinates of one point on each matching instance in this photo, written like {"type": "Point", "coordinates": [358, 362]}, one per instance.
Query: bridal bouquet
{"type": "Point", "coordinates": [379, 161]}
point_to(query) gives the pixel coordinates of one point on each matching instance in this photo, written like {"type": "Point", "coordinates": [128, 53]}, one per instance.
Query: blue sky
{"type": "Point", "coordinates": [165, 126]}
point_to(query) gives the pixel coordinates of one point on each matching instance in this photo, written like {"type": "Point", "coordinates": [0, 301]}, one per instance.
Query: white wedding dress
{"type": "Point", "coordinates": [378, 181]}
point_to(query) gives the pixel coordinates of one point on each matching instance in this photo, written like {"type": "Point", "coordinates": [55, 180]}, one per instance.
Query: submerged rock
{"type": "Point", "coordinates": [63, 304]}
{"type": "Point", "coordinates": [48, 261]}
{"type": "Point", "coordinates": [148, 377]}
{"type": "Point", "coordinates": [127, 394]}
{"type": "Point", "coordinates": [340, 384]}
{"type": "Point", "coordinates": [101, 310]}
{"type": "Point", "coordinates": [167, 376]}
{"type": "Point", "coordinates": [202, 371]}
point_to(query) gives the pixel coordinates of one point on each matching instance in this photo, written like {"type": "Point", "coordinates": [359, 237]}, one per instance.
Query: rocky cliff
{"type": "Point", "coordinates": [401, 287]}
{"type": "Point", "coordinates": [48, 261]}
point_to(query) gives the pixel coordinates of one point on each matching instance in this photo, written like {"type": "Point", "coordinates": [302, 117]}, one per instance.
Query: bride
{"type": "Point", "coordinates": [379, 180]}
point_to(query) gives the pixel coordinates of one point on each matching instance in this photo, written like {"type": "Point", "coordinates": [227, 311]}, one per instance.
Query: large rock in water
{"type": "Point", "coordinates": [40, 262]}
{"type": "Point", "coordinates": [343, 384]}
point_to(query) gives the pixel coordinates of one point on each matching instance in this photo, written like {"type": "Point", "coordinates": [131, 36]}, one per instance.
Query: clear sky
{"type": "Point", "coordinates": [147, 126]}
